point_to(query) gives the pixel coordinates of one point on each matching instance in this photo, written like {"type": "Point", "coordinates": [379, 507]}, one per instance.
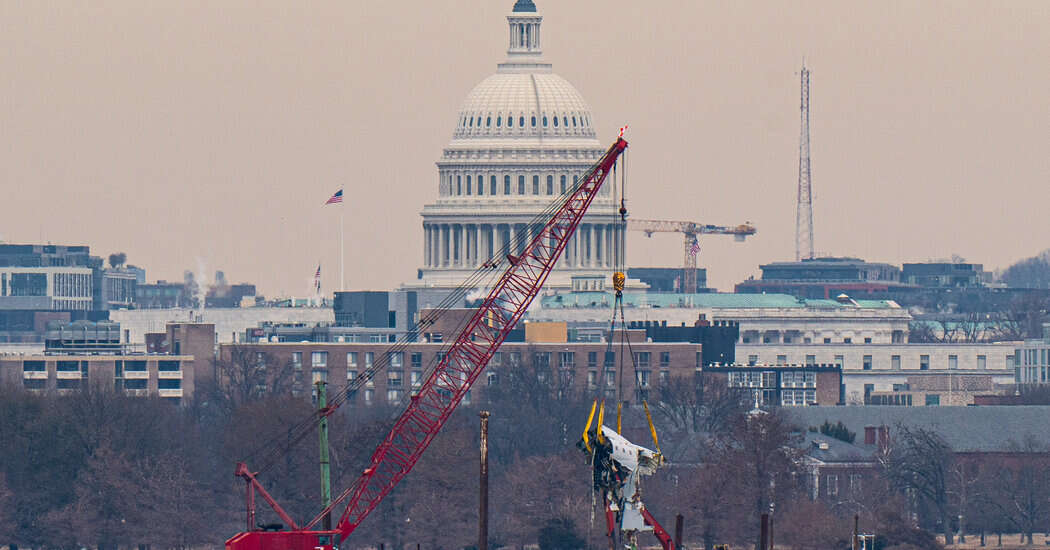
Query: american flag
{"type": "Point", "coordinates": [317, 277]}
{"type": "Point", "coordinates": [336, 198]}
{"type": "Point", "coordinates": [695, 249]}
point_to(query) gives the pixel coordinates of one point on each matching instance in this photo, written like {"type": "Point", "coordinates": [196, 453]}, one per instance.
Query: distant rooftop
{"type": "Point", "coordinates": [705, 300]}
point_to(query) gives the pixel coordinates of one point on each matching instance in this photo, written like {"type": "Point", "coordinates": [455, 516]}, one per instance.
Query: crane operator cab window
{"type": "Point", "coordinates": [325, 542]}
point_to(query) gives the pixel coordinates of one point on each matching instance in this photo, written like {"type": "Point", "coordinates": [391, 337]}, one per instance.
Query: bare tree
{"type": "Point", "coordinates": [1020, 487]}
{"type": "Point", "coordinates": [244, 375]}
{"type": "Point", "coordinates": [920, 461]}
{"type": "Point", "coordinates": [697, 403]}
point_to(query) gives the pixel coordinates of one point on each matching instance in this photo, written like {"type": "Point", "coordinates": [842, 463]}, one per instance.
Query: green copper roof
{"type": "Point", "coordinates": [702, 300]}
{"type": "Point", "coordinates": [524, 5]}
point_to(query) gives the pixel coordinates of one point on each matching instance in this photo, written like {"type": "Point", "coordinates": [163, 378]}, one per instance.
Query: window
{"type": "Point", "coordinates": [499, 121]}
{"type": "Point", "coordinates": [610, 378]}
{"type": "Point", "coordinates": [866, 340]}
{"type": "Point", "coordinates": [533, 121]}
{"type": "Point", "coordinates": [41, 383]}
{"type": "Point", "coordinates": [318, 375]}
{"type": "Point", "coordinates": [933, 400]}
{"type": "Point", "coordinates": [297, 359]}
{"type": "Point", "coordinates": [521, 121]}
{"type": "Point", "coordinates": [555, 122]}
{"type": "Point", "coordinates": [592, 379]}
{"type": "Point", "coordinates": [135, 384]}
{"type": "Point", "coordinates": [641, 359]}
{"type": "Point", "coordinates": [492, 185]}
{"type": "Point", "coordinates": [541, 359]}
{"type": "Point", "coordinates": [827, 340]}
{"type": "Point", "coordinates": [847, 340]}
{"type": "Point", "coordinates": [895, 362]}
{"type": "Point", "coordinates": [665, 358]}
{"type": "Point", "coordinates": [854, 483]}
{"type": "Point", "coordinates": [35, 366]}
{"type": "Point", "coordinates": [369, 359]}
{"type": "Point", "coordinates": [563, 184]}
{"type": "Point", "coordinates": [752, 360]}
{"type": "Point", "coordinates": [610, 359]}
{"type": "Point", "coordinates": [135, 366]}
{"type": "Point", "coordinates": [643, 379]}
{"type": "Point", "coordinates": [592, 359]}
{"type": "Point", "coordinates": [459, 185]}
{"type": "Point", "coordinates": [924, 362]}
{"type": "Point", "coordinates": [550, 185]}
{"type": "Point", "coordinates": [544, 121]}
{"type": "Point", "coordinates": [168, 366]}
{"type": "Point", "coordinates": [832, 483]}
{"type": "Point", "coordinates": [319, 359]}
{"type": "Point", "coordinates": [521, 185]}
{"type": "Point", "coordinates": [797, 398]}
{"type": "Point", "coordinates": [351, 375]}
{"type": "Point", "coordinates": [782, 359]}
{"type": "Point", "coordinates": [510, 122]}
{"type": "Point", "coordinates": [535, 185]}
{"type": "Point", "coordinates": [468, 185]}
{"type": "Point", "coordinates": [953, 362]}
{"type": "Point", "coordinates": [866, 362]}
{"type": "Point", "coordinates": [393, 379]}
{"type": "Point", "coordinates": [982, 362]}
{"type": "Point", "coordinates": [369, 396]}
{"type": "Point", "coordinates": [396, 359]}
{"type": "Point", "coordinates": [416, 377]}
{"type": "Point", "coordinates": [798, 379]}
{"type": "Point", "coordinates": [839, 360]}
{"type": "Point", "coordinates": [811, 360]}
{"type": "Point", "coordinates": [351, 359]}
{"type": "Point", "coordinates": [566, 359]}
{"type": "Point", "coordinates": [169, 384]}
{"type": "Point", "coordinates": [417, 360]}
{"type": "Point", "coordinates": [506, 185]}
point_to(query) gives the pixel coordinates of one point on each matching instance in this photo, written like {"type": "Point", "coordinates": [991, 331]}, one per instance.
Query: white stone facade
{"type": "Point", "coordinates": [523, 138]}
{"type": "Point", "coordinates": [1033, 360]}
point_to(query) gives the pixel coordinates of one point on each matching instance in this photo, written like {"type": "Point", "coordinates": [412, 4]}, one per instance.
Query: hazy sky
{"type": "Point", "coordinates": [207, 135]}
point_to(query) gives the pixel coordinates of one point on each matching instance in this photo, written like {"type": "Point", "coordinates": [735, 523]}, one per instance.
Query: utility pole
{"type": "Point", "coordinates": [804, 209]}
{"type": "Point", "coordinates": [322, 429]}
{"type": "Point", "coordinates": [483, 501]}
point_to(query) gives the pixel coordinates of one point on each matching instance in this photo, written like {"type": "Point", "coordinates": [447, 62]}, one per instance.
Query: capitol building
{"type": "Point", "coordinates": [523, 136]}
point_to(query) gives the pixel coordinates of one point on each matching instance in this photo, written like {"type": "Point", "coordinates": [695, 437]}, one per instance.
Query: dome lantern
{"type": "Point", "coordinates": [524, 22]}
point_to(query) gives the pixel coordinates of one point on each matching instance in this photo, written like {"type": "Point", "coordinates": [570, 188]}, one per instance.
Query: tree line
{"type": "Point", "coordinates": [102, 470]}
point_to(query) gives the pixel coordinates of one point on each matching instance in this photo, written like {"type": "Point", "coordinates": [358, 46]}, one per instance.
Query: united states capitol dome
{"type": "Point", "coordinates": [524, 98]}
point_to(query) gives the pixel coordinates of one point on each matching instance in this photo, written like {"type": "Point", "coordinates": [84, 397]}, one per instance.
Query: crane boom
{"type": "Point", "coordinates": [452, 378]}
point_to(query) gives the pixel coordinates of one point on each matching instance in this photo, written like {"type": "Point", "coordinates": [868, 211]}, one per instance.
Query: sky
{"type": "Point", "coordinates": [206, 136]}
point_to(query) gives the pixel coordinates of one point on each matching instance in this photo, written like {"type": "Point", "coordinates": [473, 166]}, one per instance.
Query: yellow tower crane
{"type": "Point", "coordinates": [692, 246]}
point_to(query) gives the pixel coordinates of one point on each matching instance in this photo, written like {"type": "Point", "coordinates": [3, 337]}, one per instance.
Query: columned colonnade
{"type": "Point", "coordinates": [468, 245]}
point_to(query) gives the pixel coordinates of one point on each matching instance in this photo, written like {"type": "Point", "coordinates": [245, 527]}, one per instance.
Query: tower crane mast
{"type": "Point", "coordinates": [448, 383]}
{"type": "Point", "coordinates": [691, 230]}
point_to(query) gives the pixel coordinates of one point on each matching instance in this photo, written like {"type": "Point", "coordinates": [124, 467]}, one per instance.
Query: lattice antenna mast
{"type": "Point", "coordinates": [804, 212]}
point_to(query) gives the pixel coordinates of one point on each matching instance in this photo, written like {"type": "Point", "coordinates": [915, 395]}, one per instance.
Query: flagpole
{"type": "Point", "coordinates": [342, 248]}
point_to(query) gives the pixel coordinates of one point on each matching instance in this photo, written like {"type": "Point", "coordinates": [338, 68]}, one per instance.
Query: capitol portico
{"type": "Point", "coordinates": [523, 137]}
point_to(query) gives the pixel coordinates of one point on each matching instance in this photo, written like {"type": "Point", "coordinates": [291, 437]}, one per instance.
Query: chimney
{"type": "Point", "coordinates": [884, 437]}
{"type": "Point", "coordinates": [869, 435]}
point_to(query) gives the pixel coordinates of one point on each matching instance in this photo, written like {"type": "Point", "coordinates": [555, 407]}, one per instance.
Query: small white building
{"type": "Point", "coordinates": [1033, 360]}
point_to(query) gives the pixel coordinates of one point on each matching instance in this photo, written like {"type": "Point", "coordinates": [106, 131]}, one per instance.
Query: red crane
{"type": "Point", "coordinates": [444, 388]}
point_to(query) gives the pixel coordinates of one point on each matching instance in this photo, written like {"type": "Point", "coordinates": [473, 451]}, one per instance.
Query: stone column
{"type": "Point", "coordinates": [426, 245]}
{"type": "Point", "coordinates": [442, 245]}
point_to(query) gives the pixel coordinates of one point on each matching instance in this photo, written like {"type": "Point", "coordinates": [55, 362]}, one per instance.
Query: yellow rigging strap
{"type": "Point", "coordinates": [652, 429]}
{"type": "Point", "coordinates": [587, 428]}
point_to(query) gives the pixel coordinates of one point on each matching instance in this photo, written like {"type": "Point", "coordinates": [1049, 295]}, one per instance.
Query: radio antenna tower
{"type": "Point", "coordinates": [804, 212]}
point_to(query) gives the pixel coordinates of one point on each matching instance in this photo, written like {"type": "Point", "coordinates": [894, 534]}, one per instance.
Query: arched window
{"type": "Point", "coordinates": [510, 122]}
{"type": "Point", "coordinates": [488, 120]}
{"type": "Point", "coordinates": [563, 184]}
{"type": "Point", "coordinates": [468, 184]}
{"type": "Point", "coordinates": [535, 185]}
{"type": "Point", "coordinates": [575, 182]}
{"type": "Point", "coordinates": [479, 121]}
{"type": "Point", "coordinates": [533, 121]}
{"type": "Point", "coordinates": [471, 122]}
{"type": "Point", "coordinates": [521, 121]}
{"type": "Point", "coordinates": [506, 185]}
{"type": "Point", "coordinates": [550, 185]}
{"type": "Point", "coordinates": [573, 121]}
{"type": "Point", "coordinates": [492, 185]}
{"type": "Point", "coordinates": [499, 121]}
{"type": "Point", "coordinates": [544, 121]}
{"type": "Point", "coordinates": [565, 121]}
{"type": "Point", "coordinates": [481, 184]}
{"type": "Point", "coordinates": [555, 122]}
{"type": "Point", "coordinates": [459, 185]}
{"type": "Point", "coordinates": [521, 185]}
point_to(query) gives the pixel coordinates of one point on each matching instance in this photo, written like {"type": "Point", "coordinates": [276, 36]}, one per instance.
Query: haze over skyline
{"type": "Point", "coordinates": [207, 136]}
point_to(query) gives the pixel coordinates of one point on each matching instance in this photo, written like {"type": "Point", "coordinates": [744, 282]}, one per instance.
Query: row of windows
{"type": "Point", "coordinates": [868, 362]}
{"type": "Point", "coordinates": [1034, 357]}
{"type": "Point", "coordinates": [466, 185]}
{"type": "Point", "coordinates": [565, 359]}
{"type": "Point", "coordinates": [564, 120]}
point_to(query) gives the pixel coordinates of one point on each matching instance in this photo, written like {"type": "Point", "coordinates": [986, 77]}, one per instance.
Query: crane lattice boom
{"type": "Point", "coordinates": [452, 378]}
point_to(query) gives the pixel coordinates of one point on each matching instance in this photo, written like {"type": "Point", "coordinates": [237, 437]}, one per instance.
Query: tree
{"type": "Point", "coordinates": [244, 375]}
{"type": "Point", "coordinates": [761, 453]}
{"type": "Point", "coordinates": [1020, 487]}
{"type": "Point", "coordinates": [838, 431]}
{"type": "Point", "coordinates": [117, 259]}
{"type": "Point", "coordinates": [1029, 273]}
{"type": "Point", "coordinates": [920, 461]}
{"type": "Point", "coordinates": [697, 403]}
{"type": "Point", "coordinates": [7, 516]}
{"type": "Point", "coordinates": [560, 534]}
